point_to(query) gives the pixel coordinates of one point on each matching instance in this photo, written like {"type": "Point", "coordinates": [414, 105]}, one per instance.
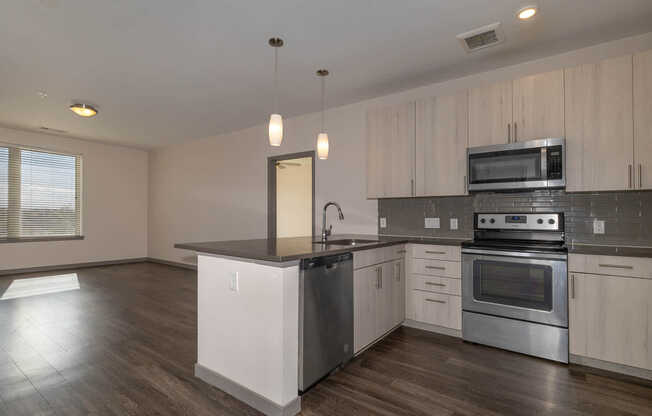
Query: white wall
{"type": "Point", "coordinates": [115, 199]}
{"type": "Point", "coordinates": [294, 199]}
{"type": "Point", "coordinates": [215, 188]}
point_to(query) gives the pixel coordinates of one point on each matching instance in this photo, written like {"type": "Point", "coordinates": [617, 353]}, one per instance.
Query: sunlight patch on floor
{"type": "Point", "coordinates": [22, 288]}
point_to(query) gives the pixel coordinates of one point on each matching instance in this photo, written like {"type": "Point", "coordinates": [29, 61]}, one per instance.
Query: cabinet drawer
{"type": "Point", "coordinates": [611, 265]}
{"type": "Point", "coordinates": [437, 268]}
{"type": "Point", "coordinates": [436, 284]}
{"type": "Point", "coordinates": [423, 251]}
{"type": "Point", "coordinates": [365, 258]}
{"type": "Point", "coordinates": [437, 309]}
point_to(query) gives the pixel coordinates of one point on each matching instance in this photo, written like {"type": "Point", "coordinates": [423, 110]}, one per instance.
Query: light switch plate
{"type": "Point", "coordinates": [383, 222]}
{"type": "Point", "coordinates": [234, 284]}
{"type": "Point", "coordinates": [598, 227]}
{"type": "Point", "coordinates": [431, 223]}
{"type": "Point", "coordinates": [454, 224]}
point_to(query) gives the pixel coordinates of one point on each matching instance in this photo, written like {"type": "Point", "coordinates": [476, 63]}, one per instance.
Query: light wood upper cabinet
{"type": "Point", "coordinates": [390, 151]}
{"type": "Point", "coordinates": [599, 130]}
{"type": "Point", "coordinates": [538, 106]}
{"type": "Point", "coordinates": [643, 119]}
{"type": "Point", "coordinates": [610, 319]}
{"type": "Point", "coordinates": [441, 141]}
{"type": "Point", "coordinates": [490, 114]}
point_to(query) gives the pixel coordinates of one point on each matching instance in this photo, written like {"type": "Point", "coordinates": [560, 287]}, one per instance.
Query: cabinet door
{"type": "Point", "coordinates": [599, 131]}
{"type": "Point", "coordinates": [643, 119]}
{"type": "Point", "coordinates": [365, 289]}
{"type": "Point", "coordinates": [490, 114]}
{"type": "Point", "coordinates": [398, 293]}
{"type": "Point", "coordinates": [610, 319]}
{"type": "Point", "coordinates": [441, 141]}
{"type": "Point", "coordinates": [390, 151]}
{"type": "Point", "coordinates": [538, 106]}
{"type": "Point", "coordinates": [384, 299]}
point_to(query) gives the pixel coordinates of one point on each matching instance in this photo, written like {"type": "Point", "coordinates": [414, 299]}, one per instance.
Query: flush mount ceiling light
{"type": "Point", "coordinates": [83, 110]}
{"type": "Point", "coordinates": [322, 138]}
{"type": "Point", "coordinates": [527, 13]}
{"type": "Point", "coordinates": [275, 119]}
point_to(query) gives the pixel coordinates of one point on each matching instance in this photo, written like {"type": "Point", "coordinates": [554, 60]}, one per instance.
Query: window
{"type": "Point", "coordinates": [40, 194]}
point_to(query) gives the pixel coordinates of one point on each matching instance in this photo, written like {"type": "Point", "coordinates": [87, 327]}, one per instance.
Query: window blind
{"type": "Point", "coordinates": [40, 193]}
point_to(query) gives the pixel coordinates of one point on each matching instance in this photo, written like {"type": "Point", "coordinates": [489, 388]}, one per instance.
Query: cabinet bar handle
{"type": "Point", "coordinates": [435, 252]}
{"type": "Point", "coordinates": [466, 184]}
{"type": "Point", "coordinates": [435, 300]}
{"type": "Point", "coordinates": [629, 170]}
{"type": "Point", "coordinates": [413, 190]}
{"type": "Point", "coordinates": [640, 175]}
{"type": "Point", "coordinates": [509, 133]}
{"type": "Point", "coordinates": [515, 132]}
{"type": "Point", "coordinates": [401, 252]}
{"type": "Point", "coordinates": [436, 267]}
{"type": "Point", "coordinates": [616, 266]}
{"type": "Point", "coordinates": [435, 284]}
{"type": "Point", "coordinates": [572, 286]}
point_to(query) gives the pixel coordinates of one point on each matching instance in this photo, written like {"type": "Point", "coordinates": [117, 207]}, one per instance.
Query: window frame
{"type": "Point", "coordinates": [80, 199]}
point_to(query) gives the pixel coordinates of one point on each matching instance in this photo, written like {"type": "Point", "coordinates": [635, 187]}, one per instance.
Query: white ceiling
{"type": "Point", "coordinates": [165, 71]}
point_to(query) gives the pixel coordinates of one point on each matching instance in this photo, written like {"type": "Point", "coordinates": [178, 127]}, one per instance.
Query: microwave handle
{"type": "Point", "coordinates": [544, 163]}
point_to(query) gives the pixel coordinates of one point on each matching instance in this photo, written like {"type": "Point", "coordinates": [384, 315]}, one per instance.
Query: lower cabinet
{"type": "Point", "coordinates": [434, 286]}
{"type": "Point", "coordinates": [378, 299]}
{"type": "Point", "coordinates": [610, 318]}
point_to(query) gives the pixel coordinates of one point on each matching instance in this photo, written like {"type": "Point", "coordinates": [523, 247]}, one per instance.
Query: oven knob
{"type": "Point", "coordinates": [483, 221]}
{"type": "Point", "coordinates": [539, 221]}
{"type": "Point", "coordinates": [492, 220]}
{"type": "Point", "coordinates": [551, 221]}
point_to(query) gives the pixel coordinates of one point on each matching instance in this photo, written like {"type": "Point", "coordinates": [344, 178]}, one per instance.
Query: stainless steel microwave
{"type": "Point", "coordinates": [535, 164]}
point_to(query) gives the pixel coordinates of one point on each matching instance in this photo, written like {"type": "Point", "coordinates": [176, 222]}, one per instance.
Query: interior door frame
{"type": "Point", "coordinates": [271, 189]}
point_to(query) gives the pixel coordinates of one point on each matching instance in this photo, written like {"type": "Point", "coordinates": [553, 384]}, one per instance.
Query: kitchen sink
{"type": "Point", "coordinates": [345, 242]}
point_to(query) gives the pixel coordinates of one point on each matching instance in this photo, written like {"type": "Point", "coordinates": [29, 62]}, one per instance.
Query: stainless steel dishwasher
{"type": "Point", "coordinates": [325, 317]}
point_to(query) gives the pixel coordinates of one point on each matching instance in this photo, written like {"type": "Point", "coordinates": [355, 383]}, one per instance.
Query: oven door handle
{"type": "Point", "coordinates": [536, 256]}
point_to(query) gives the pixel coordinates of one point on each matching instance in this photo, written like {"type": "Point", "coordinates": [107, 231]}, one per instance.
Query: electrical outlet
{"type": "Point", "coordinates": [431, 223]}
{"type": "Point", "coordinates": [234, 284]}
{"type": "Point", "coordinates": [454, 224]}
{"type": "Point", "coordinates": [598, 227]}
{"type": "Point", "coordinates": [383, 222]}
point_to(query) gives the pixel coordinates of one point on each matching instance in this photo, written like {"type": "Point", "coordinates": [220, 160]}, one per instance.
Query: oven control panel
{"type": "Point", "coordinates": [532, 222]}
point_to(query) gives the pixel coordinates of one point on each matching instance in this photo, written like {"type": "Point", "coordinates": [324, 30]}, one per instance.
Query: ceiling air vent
{"type": "Point", "coordinates": [482, 37]}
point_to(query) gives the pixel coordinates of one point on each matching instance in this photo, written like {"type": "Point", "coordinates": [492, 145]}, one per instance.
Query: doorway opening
{"type": "Point", "coordinates": [291, 195]}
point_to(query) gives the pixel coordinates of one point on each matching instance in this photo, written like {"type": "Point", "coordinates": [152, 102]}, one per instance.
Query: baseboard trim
{"type": "Point", "coordinates": [611, 367]}
{"type": "Point", "coordinates": [433, 328]}
{"type": "Point", "coordinates": [40, 269]}
{"type": "Point", "coordinates": [244, 394]}
{"type": "Point", "coordinates": [172, 263]}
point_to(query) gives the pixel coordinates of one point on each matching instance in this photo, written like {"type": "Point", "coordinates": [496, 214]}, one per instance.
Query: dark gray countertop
{"type": "Point", "coordinates": [625, 251]}
{"type": "Point", "coordinates": [296, 248]}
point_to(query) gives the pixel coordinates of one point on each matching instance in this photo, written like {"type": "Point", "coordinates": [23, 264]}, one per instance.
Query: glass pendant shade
{"type": "Point", "coordinates": [322, 146]}
{"type": "Point", "coordinates": [275, 130]}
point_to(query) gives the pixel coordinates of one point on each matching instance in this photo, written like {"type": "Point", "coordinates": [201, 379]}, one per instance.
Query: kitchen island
{"type": "Point", "coordinates": [248, 313]}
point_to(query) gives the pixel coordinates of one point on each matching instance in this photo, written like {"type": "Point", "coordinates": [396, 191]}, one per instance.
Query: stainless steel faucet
{"type": "Point", "coordinates": [324, 231]}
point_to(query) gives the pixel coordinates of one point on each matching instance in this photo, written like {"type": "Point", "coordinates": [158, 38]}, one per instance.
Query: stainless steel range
{"type": "Point", "coordinates": [515, 284]}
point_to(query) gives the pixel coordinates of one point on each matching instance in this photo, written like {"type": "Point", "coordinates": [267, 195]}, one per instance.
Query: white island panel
{"type": "Point", "coordinates": [250, 335]}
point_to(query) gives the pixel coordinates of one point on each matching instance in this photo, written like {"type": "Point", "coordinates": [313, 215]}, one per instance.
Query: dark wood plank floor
{"type": "Point", "coordinates": [125, 344]}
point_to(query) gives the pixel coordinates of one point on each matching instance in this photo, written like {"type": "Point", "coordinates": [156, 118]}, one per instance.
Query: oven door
{"type": "Point", "coordinates": [525, 286]}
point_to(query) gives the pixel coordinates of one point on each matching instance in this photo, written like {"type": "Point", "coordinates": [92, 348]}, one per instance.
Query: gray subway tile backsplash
{"type": "Point", "coordinates": [627, 215]}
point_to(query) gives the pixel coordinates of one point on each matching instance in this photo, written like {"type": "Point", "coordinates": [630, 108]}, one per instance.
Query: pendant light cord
{"type": "Point", "coordinates": [276, 80]}
{"type": "Point", "coordinates": [323, 88]}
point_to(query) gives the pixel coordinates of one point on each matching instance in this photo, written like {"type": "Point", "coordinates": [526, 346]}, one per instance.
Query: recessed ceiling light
{"type": "Point", "coordinates": [526, 13]}
{"type": "Point", "coordinates": [83, 110]}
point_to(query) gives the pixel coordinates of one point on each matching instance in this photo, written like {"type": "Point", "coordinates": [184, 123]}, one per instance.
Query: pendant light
{"type": "Point", "coordinates": [322, 138]}
{"type": "Point", "coordinates": [275, 119]}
